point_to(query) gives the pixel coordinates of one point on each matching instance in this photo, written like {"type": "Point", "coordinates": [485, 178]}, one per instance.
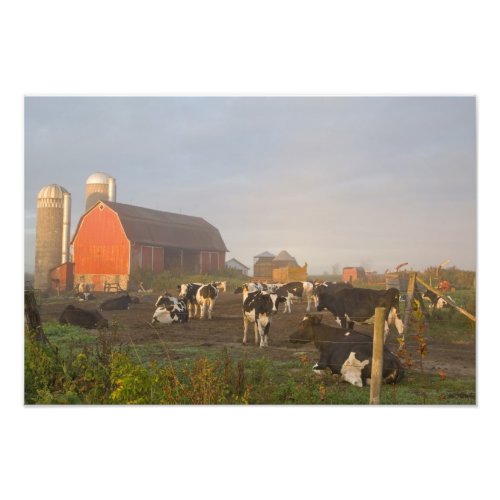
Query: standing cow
{"type": "Point", "coordinates": [357, 305]}
{"type": "Point", "coordinates": [205, 298]}
{"type": "Point", "coordinates": [187, 293]}
{"type": "Point", "coordinates": [345, 352]}
{"type": "Point", "coordinates": [258, 308]}
{"type": "Point", "coordinates": [296, 290]}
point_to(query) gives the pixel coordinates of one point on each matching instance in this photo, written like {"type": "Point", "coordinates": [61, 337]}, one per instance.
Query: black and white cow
{"type": "Point", "coordinates": [357, 305]}
{"type": "Point", "coordinates": [330, 286]}
{"type": "Point", "coordinates": [205, 298]}
{"type": "Point", "coordinates": [168, 313]}
{"type": "Point", "coordinates": [118, 303]}
{"type": "Point", "coordinates": [187, 293]}
{"type": "Point", "coordinates": [258, 307]}
{"type": "Point", "coordinates": [296, 290]}
{"type": "Point", "coordinates": [166, 300]}
{"type": "Point", "coordinates": [437, 302]}
{"type": "Point", "coordinates": [271, 287]}
{"type": "Point", "coordinates": [80, 317]}
{"type": "Point", "coordinates": [85, 296]}
{"type": "Point", "coordinates": [221, 285]}
{"type": "Point", "coordinates": [345, 352]}
{"type": "Point", "coordinates": [249, 287]}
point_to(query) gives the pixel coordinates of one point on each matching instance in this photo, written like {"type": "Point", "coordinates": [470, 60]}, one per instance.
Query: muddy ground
{"type": "Point", "coordinates": [225, 330]}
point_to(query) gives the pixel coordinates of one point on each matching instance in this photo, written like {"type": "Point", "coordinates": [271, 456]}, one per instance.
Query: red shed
{"type": "Point", "coordinates": [112, 239]}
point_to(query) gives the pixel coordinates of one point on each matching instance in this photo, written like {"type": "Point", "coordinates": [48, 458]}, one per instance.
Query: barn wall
{"type": "Point", "coordinates": [62, 277]}
{"type": "Point", "coordinates": [211, 262]}
{"type": "Point", "coordinates": [101, 250]}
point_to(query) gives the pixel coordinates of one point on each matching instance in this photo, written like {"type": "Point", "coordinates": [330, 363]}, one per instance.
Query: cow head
{"type": "Point", "coordinates": [305, 330]}
{"type": "Point", "coordinates": [276, 301]}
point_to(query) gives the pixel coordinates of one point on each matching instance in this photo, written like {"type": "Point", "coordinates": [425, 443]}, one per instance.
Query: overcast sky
{"type": "Point", "coordinates": [346, 181]}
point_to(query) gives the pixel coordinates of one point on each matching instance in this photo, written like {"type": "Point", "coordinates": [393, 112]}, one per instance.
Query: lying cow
{"type": "Point", "coordinates": [258, 307]}
{"type": "Point", "coordinates": [296, 290]}
{"type": "Point", "coordinates": [345, 352]}
{"type": "Point", "coordinates": [85, 296]}
{"type": "Point", "coordinates": [80, 317]}
{"type": "Point", "coordinates": [115, 304]}
{"type": "Point", "coordinates": [171, 313]}
{"type": "Point", "coordinates": [187, 293]}
{"type": "Point", "coordinates": [166, 300]}
{"type": "Point", "coordinates": [357, 305]}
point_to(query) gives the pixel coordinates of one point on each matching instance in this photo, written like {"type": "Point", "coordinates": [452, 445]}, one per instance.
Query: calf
{"type": "Point", "coordinates": [116, 304]}
{"type": "Point", "coordinates": [357, 305]}
{"type": "Point", "coordinates": [258, 307]}
{"type": "Point", "coordinates": [205, 298]}
{"type": "Point", "coordinates": [221, 285]}
{"type": "Point", "coordinates": [345, 352]}
{"type": "Point", "coordinates": [187, 293]}
{"type": "Point", "coordinates": [80, 317]}
{"type": "Point", "coordinates": [296, 290]}
{"type": "Point", "coordinates": [171, 313]}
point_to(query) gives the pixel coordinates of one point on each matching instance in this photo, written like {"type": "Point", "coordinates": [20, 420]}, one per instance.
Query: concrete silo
{"type": "Point", "coordinates": [52, 232]}
{"type": "Point", "coordinates": [99, 186]}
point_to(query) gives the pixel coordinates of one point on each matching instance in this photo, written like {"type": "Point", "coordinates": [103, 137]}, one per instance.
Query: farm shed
{"type": "Point", "coordinates": [352, 274]}
{"type": "Point", "coordinates": [113, 239]}
{"type": "Point", "coordinates": [263, 266]}
{"type": "Point", "coordinates": [238, 266]}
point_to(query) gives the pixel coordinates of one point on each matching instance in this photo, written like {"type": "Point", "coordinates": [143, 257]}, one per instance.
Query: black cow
{"type": "Point", "coordinates": [345, 352]}
{"type": "Point", "coordinates": [357, 305]}
{"type": "Point", "coordinates": [258, 307]}
{"type": "Point", "coordinates": [171, 313]}
{"type": "Point", "coordinates": [118, 303]}
{"type": "Point", "coordinates": [330, 286]}
{"type": "Point", "coordinates": [296, 290]}
{"type": "Point", "coordinates": [80, 317]}
{"type": "Point", "coordinates": [187, 293]}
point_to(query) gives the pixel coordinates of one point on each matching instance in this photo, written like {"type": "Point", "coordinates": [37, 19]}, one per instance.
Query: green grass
{"type": "Point", "coordinates": [67, 337]}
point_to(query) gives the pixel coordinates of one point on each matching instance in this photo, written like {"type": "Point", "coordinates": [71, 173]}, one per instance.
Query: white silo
{"type": "Point", "coordinates": [52, 232]}
{"type": "Point", "coordinates": [99, 186]}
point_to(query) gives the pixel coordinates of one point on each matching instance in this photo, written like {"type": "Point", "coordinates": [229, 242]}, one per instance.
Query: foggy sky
{"type": "Point", "coordinates": [346, 181]}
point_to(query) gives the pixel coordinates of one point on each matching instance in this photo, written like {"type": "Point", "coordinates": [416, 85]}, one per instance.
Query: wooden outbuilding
{"type": "Point", "coordinates": [352, 274]}
{"type": "Point", "coordinates": [113, 239]}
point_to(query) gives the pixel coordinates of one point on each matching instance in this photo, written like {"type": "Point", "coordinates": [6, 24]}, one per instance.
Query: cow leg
{"type": "Point", "coordinates": [386, 331]}
{"type": "Point", "coordinates": [264, 332]}
{"type": "Point", "coordinates": [308, 308]}
{"type": "Point", "coordinates": [245, 329]}
{"type": "Point", "coordinates": [288, 305]}
{"type": "Point", "coordinates": [343, 322]}
{"type": "Point", "coordinates": [256, 332]}
{"type": "Point", "coordinates": [210, 305]}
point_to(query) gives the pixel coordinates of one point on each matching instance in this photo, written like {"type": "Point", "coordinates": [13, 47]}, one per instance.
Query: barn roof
{"type": "Point", "coordinates": [235, 261]}
{"type": "Point", "coordinates": [167, 229]}
{"type": "Point", "coordinates": [264, 254]}
{"type": "Point", "coordinates": [284, 255]}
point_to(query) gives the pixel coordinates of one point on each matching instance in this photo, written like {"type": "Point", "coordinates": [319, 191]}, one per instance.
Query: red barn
{"type": "Point", "coordinates": [112, 239]}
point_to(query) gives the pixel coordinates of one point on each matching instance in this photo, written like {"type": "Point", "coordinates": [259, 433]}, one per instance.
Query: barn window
{"type": "Point", "coordinates": [101, 207]}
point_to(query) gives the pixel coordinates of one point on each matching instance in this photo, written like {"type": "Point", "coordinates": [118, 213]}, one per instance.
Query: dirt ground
{"type": "Point", "coordinates": [225, 330]}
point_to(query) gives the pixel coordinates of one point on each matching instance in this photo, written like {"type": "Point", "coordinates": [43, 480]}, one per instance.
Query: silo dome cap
{"type": "Point", "coordinates": [52, 191]}
{"type": "Point", "coordinates": [98, 178]}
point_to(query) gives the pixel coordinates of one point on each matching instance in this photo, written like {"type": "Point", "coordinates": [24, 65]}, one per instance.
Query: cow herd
{"type": "Point", "coordinates": [343, 351]}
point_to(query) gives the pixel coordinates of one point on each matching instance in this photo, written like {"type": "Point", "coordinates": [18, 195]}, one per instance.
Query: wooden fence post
{"type": "Point", "coordinates": [377, 356]}
{"type": "Point", "coordinates": [409, 298]}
